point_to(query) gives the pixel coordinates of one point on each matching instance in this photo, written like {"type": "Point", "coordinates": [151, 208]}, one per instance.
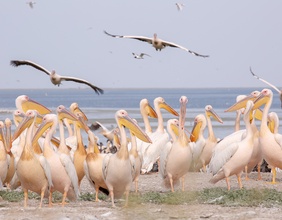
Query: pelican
{"type": "Point", "coordinates": [138, 159]}
{"type": "Point", "coordinates": [32, 169]}
{"type": "Point", "coordinates": [233, 159]}
{"type": "Point", "coordinates": [31, 4]}
{"type": "Point", "coordinates": [176, 160]}
{"type": "Point", "coordinates": [24, 103]}
{"type": "Point", "coordinates": [151, 152]}
{"type": "Point", "coordinates": [210, 141]}
{"type": "Point", "coordinates": [55, 78]}
{"type": "Point", "coordinates": [157, 43]}
{"type": "Point", "coordinates": [10, 155]}
{"type": "Point", "coordinates": [140, 56]}
{"type": "Point", "coordinates": [270, 143]}
{"type": "Point", "coordinates": [4, 163]}
{"type": "Point", "coordinates": [179, 6]}
{"type": "Point", "coordinates": [63, 172]}
{"type": "Point", "coordinates": [109, 134]}
{"type": "Point", "coordinates": [266, 82]}
{"type": "Point", "coordinates": [118, 168]}
{"type": "Point", "coordinates": [93, 166]}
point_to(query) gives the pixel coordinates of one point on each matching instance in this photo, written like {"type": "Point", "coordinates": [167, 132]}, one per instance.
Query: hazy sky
{"type": "Point", "coordinates": [67, 36]}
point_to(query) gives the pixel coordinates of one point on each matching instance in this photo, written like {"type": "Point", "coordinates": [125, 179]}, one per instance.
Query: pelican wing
{"type": "Point", "coordinates": [170, 44]}
{"type": "Point", "coordinates": [71, 171]}
{"type": "Point", "coordinates": [133, 167]}
{"type": "Point", "coordinates": [274, 87]}
{"type": "Point", "coordinates": [46, 167]}
{"type": "Point", "coordinates": [141, 38]}
{"type": "Point", "coordinates": [278, 138]}
{"type": "Point", "coordinates": [29, 63]}
{"type": "Point", "coordinates": [105, 165]}
{"type": "Point", "coordinates": [163, 159]}
{"type": "Point", "coordinates": [219, 159]}
{"type": "Point", "coordinates": [68, 78]}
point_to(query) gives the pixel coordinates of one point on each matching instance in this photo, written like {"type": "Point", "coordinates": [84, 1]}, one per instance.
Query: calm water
{"type": "Point", "coordinates": [103, 107]}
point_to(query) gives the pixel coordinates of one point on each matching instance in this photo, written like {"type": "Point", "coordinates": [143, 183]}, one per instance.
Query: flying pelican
{"type": "Point", "coordinates": [118, 168]}
{"type": "Point", "coordinates": [270, 143]}
{"type": "Point", "coordinates": [63, 172]}
{"type": "Point", "coordinates": [233, 159]}
{"type": "Point", "coordinates": [93, 166]}
{"type": "Point", "coordinates": [32, 169]}
{"type": "Point", "coordinates": [31, 4]}
{"type": "Point", "coordinates": [109, 134]}
{"type": "Point", "coordinates": [139, 56]}
{"type": "Point", "coordinates": [176, 161]}
{"type": "Point", "coordinates": [179, 6]}
{"type": "Point", "coordinates": [272, 86]}
{"type": "Point", "coordinates": [157, 43]}
{"type": "Point", "coordinates": [55, 78]}
{"type": "Point", "coordinates": [151, 152]}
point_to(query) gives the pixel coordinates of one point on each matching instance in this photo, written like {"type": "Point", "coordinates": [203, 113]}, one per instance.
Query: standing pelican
{"type": "Point", "coordinates": [266, 82]}
{"type": "Point", "coordinates": [233, 159]}
{"type": "Point", "coordinates": [151, 152]}
{"type": "Point", "coordinates": [32, 169]}
{"type": "Point", "coordinates": [176, 161]}
{"type": "Point", "coordinates": [157, 43]}
{"type": "Point", "coordinates": [63, 172]}
{"type": "Point", "coordinates": [118, 168]}
{"type": "Point", "coordinates": [270, 143]}
{"type": "Point", "coordinates": [4, 163]}
{"type": "Point", "coordinates": [55, 78]}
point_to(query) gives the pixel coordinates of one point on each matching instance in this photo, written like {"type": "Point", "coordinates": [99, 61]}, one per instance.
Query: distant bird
{"type": "Point", "coordinates": [157, 43]}
{"type": "Point", "coordinates": [55, 78]}
{"type": "Point", "coordinates": [274, 87]}
{"type": "Point", "coordinates": [139, 56]}
{"type": "Point", "coordinates": [179, 6]}
{"type": "Point", "coordinates": [30, 3]}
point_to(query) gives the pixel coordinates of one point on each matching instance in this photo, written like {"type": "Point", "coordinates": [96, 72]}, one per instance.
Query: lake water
{"type": "Point", "coordinates": [102, 108]}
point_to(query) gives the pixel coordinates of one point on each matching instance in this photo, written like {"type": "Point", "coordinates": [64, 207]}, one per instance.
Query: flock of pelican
{"type": "Point", "coordinates": [38, 159]}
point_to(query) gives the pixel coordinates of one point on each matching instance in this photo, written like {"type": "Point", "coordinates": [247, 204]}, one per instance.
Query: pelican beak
{"type": "Point", "coordinates": [76, 110]}
{"type": "Point", "coordinates": [151, 112]}
{"type": "Point", "coordinates": [258, 114]}
{"type": "Point", "coordinates": [167, 107]}
{"type": "Point", "coordinates": [175, 129]}
{"type": "Point", "coordinates": [31, 104]}
{"type": "Point", "coordinates": [212, 113]}
{"type": "Point", "coordinates": [134, 128]}
{"type": "Point", "coordinates": [195, 130]}
{"type": "Point", "coordinates": [241, 103]}
{"type": "Point", "coordinates": [271, 125]}
{"type": "Point", "coordinates": [26, 122]}
{"type": "Point", "coordinates": [8, 134]}
{"type": "Point", "coordinates": [41, 129]}
{"type": "Point", "coordinates": [81, 123]}
{"type": "Point", "coordinates": [64, 113]}
{"type": "Point", "coordinates": [260, 100]}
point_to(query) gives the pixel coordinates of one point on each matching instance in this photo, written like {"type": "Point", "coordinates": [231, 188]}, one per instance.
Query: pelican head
{"type": "Point", "coordinates": [264, 97]}
{"type": "Point", "coordinates": [162, 104]}
{"type": "Point", "coordinates": [25, 103]}
{"type": "Point", "coordinates": [210, 112]}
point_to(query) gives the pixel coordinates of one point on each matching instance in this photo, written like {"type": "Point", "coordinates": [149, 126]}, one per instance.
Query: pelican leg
{"type": "Point", "coordinates": [204, 168]}
{"type": "Point", "coordinates": [50, 199]}
{"type": "Point", "coordinates": [246, 173]}
{"type": "Point", "coordinates": [112, 198]}
{"type": "Point", "coordinates": [126, 198]}
{"type": "Point", "coordinates": [25, 197]}
{"type": "Point", "coordinates": [171, 184]}
{"type": "Point", "coordinates": [136, 185]}
{"type": "Point", "coordinates": [41, 197]}
{"type": "Point", "coordinates": [227, 183]}
{"type": "Point", "coordinates": [64, 199]}
{"type": "Point", "coordinates": [97, 191]}
{"type": "Point", "coordinates": [273, 170]}
{"type": "Point", "coordinates": [239, 181]}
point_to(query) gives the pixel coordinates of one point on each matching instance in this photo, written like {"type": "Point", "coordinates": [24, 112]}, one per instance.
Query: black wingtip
{"type": "Point", "coordinates": [14, 63]}
{"type": "Point", "coordinates": [94, 126]}
{"type": "Point", "coordinates": [252, 71]}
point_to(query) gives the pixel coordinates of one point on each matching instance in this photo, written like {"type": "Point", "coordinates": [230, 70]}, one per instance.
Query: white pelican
{"type": "Point", "coordinates": [55, 78]}
{"type": "Point", "coordinates": [24, 103]}
{"type": "Point", "coordinates": [31, 4]}
{"type": "Point", "coordinates": [209, 142]}
{"type": "Point", "coordinates": [4, 163]}
{"type": "Point", "coordinates": [179, 6]}
{"type": "Point", "coordinates": [93, 166]}
{"type": "Point", "coordinates": [270, 143]}
{"type": "Point", "coordinates": [109, 134]}
{"type": "Point", "coordinates": [176, 161]}
{"type": "Point", "coordinates": [118, 168]}
{"type": "Point", "coordinates": [139, 56]}
{"type": "Point", "coordinates": [63, 172]}
{"type": "Point", "coordinates": [151, 152]}
{"type": "Point", "coordinates": [157, 43]}
{"type": "Point", "coordinates": [32, 169]}
{"type": "Point", "coordinates": [268, 83]}
{"type": "Point", "coordinates": [232, 160]}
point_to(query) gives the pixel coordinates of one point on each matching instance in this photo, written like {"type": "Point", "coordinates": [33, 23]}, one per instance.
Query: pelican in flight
{"type": "Point", "coordinates": [157, 43]}
{"type": "Point", "coordinates": [31, 4]}
{"type": "Point", "coordinates": [55, 78]}
{"type": "Point", "coordinates": [272, 86]}
{"type": "Point", "coordinates": [139, 56]}
{"type": "Point", "coordinates": [179, 6]}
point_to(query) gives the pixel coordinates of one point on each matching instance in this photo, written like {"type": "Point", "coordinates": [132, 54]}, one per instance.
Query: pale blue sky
{"type": "Point", "coordinates": [67, 36]}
